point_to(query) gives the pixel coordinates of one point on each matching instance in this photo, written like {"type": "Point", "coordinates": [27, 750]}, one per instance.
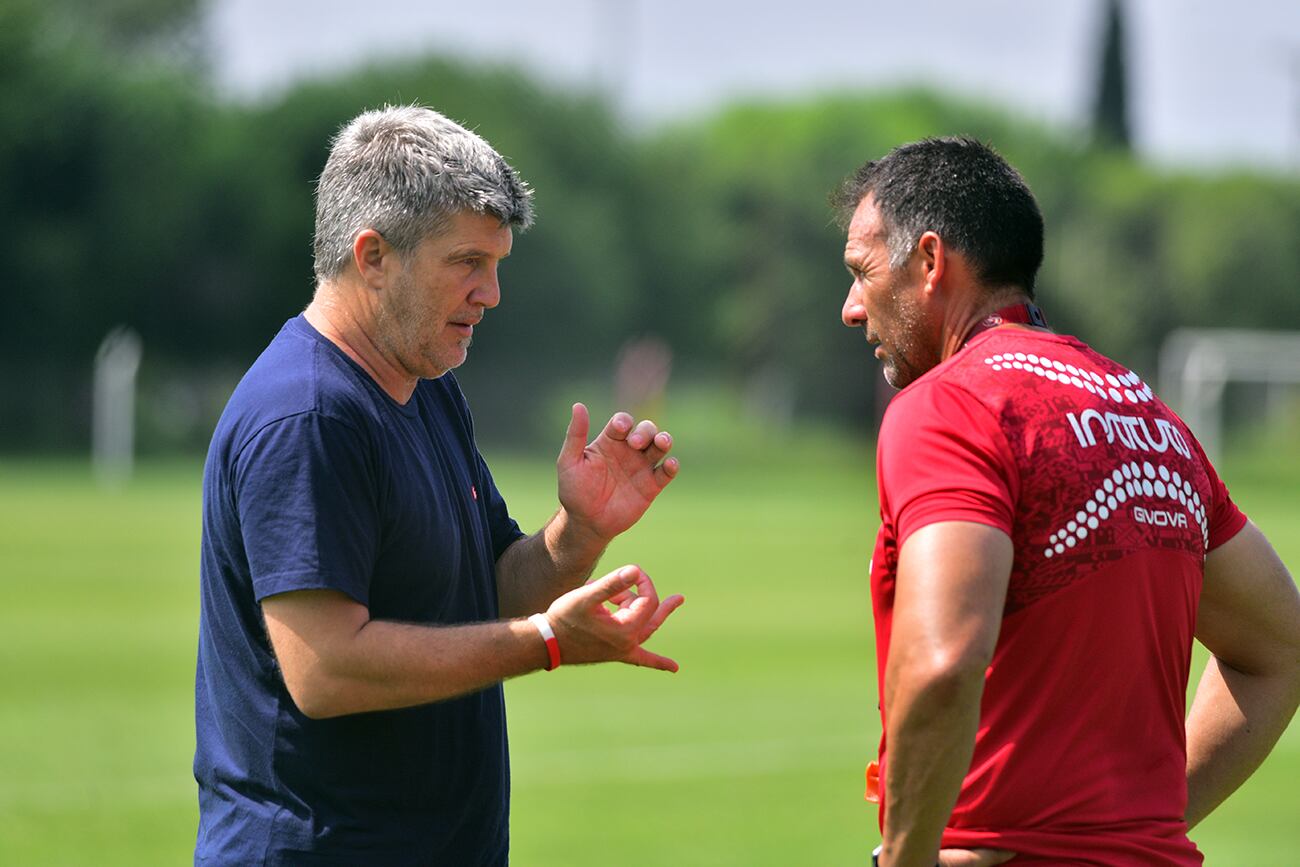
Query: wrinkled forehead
{"type": "Point", "coordinates": [867, 220]}
{"type": "Point", "coordinates": [866, 229]}
{"type": "Point", "coordinates": [486, 232]}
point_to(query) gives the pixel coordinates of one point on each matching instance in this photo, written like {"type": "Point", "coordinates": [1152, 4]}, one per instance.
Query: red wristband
{"type": "Point", "coordinates": [548, 635]}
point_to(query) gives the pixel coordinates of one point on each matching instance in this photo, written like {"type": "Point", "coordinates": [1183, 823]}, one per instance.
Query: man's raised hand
{"type": "Point", "coordinates": [607, 485]}
{"type": "Point", "coordinates": [587, 630]}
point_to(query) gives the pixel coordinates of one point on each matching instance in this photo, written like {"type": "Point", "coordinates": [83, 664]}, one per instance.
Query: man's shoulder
{"type": "Point", "coordinates": [926, 396]}
{"type": "Point", "coordinates": [941, 406]}
{"type": "Point", "coordinates": [297, 374]}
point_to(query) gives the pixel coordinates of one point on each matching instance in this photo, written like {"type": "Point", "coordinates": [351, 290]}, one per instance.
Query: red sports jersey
{"type": "Point", "coordinates": [1111, 505]}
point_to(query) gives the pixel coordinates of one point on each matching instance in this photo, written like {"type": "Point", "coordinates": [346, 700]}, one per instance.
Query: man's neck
{"type": "Point", "coordinates": [353, 331]}
{"type": "Point", "coordinates": [962, 319]}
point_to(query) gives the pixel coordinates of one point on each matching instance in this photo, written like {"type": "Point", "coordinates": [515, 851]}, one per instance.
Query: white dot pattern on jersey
{"type": "Point", "coordinates": [1126, 388]}
{"type": "Point", "coordinates": [1128, 481]}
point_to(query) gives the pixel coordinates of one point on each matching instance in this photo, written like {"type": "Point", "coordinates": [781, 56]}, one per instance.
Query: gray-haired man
{"type": "Point", "coordinates": [364, 589]}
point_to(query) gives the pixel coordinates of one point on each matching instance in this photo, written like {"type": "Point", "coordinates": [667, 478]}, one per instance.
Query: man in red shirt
{"type": "Point", "coordinates": [1052, 538]}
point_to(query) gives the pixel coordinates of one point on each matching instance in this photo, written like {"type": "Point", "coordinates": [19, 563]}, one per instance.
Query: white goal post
{"type": "Point", "coordinates": [1197, 363]}
{"type": "Point", "coordinates": [113, 414]}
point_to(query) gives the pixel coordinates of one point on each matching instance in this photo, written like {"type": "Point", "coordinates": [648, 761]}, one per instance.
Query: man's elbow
{"type": "Point", "coordinates": [1272, 657]}
{"type": "Point", "coordinates": [946, 677]}
{"type": "Point", "coordinates": [313, 634]}
{"type": "Point", "coordinates": [317, 695]}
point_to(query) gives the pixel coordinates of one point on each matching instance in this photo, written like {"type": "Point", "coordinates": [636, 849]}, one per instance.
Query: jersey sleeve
{"type": "Point", "coordinates": [943, 457]}
{"type": "Point", "coordinates": [1224, 518]}
{"type": "Point", "coordinates": [307, 502]}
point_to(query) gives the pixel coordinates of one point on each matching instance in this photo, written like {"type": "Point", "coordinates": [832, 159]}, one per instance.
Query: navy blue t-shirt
{"type": "Point", "coordinates": [316, 478]}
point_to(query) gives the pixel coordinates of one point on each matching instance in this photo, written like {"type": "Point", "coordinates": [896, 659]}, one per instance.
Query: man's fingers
{"type": "Point", "coordinates": [636, 614]}
{"type": "Point", "coordinates": [646, 659]}
{"type": "Point", "coordinates": [575, 438]}
{"type": "Point", "coordinates": [605, 588]}
{"type": "Point", "coordinates": [668, 606]}
{"type": "Point", "coordinates": [645, 588]}
{"type": "Point", "coordinates": [608, 635]}
{"type": "Point", "coordinates": [643, 434]}
{"type": "Point", "coordinates": [618, 426]}
{"type": "Point", "coordinates": [623, 598]}
{"type": "Point", "coordinates": [659, 446]}
{"type": "Point", "coordinates": [638, 611]}
{"type": "Point", "coordinates": [666, 472]}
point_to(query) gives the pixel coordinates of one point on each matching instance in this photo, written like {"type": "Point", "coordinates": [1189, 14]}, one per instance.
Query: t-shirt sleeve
{"type": "Point", "coordinates": [505, 531]}
{"type": "Point", "coordinates": [943, 457]}
{"type": "Point", "coordinates": [306, 496]}
{"type": "Point", "coordinates": [1224, 518]}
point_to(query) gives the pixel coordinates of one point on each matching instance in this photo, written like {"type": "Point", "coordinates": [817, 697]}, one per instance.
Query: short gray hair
{"type": "Point", "coordinates": [404, 171]}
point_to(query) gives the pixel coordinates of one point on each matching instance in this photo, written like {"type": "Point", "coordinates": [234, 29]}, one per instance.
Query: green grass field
{"type": "Point", "coordinates": [751, 755]}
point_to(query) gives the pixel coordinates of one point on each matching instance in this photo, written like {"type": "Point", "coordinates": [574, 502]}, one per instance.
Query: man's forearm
{"type": "Point", "coordinates": [930, 739]}
{"type": "Point", "coordinates": [336, 660]}
{"type": "Point", "coordinates": [951, 588]}
{"type": "Point", "coordinates": [536, 570]}
{"type": "Point", "coordinates": [1249, 619]}
{"type": "Point", "coordinates": [1235, 720]}
{"type": "Point", "coordinates": [345, 663]}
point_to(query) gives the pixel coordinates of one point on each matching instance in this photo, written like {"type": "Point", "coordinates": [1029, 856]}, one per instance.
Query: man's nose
{"type": "Point", "coordinates": [854, 312]}
{"type": "Point", "coordinates": [488, 292]}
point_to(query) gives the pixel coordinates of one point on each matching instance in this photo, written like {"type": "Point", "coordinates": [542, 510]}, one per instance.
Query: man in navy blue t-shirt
{"type": "Point", "coordinates": [364, 589]}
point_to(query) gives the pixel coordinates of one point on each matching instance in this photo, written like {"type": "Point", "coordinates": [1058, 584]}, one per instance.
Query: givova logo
{"type": "Point", "coordinates": [1159, 518]}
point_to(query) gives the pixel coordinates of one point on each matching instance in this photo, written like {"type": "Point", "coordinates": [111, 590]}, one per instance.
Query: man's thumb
{"type": "Point", "coordinates": [609, 586]}
{"type": "Point", "coordinates": [575, 438]}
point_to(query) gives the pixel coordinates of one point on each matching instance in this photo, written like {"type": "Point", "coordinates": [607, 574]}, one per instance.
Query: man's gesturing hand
{"type": "Point", "coordinates": [607, 485]}
{"type": "Point", "coordinates": [589, 631]}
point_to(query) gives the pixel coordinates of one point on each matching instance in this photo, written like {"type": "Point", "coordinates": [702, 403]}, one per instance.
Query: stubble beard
{"type": "Point", "coordinates": [904, 351]}
{"type": "Point", "coordinates": [405, 329]}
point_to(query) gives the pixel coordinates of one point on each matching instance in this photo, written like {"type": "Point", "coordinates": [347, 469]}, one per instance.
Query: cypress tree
{"type": "Point", "coordinates": [1110, 120]}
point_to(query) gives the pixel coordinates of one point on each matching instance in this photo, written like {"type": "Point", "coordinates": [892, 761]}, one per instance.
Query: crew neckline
{"type": "Point", "coordinates": [308, 330]}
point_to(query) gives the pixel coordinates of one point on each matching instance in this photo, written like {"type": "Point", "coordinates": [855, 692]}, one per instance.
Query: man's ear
{"type": "Point", "coordinates": [933, 258]}
{"type": "Point", "coordinates": [375, 258]}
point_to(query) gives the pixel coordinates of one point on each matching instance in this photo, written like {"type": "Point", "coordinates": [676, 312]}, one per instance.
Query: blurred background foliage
{"type": "Point", "coordinates": [131, 194]}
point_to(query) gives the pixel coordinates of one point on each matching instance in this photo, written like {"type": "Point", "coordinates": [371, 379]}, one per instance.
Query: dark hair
{"type": "Point", "coordinates": [962, 190]}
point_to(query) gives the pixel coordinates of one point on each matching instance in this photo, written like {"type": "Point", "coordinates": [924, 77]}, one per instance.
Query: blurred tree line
{"type": "Point", "coordinates": [132, 194]}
